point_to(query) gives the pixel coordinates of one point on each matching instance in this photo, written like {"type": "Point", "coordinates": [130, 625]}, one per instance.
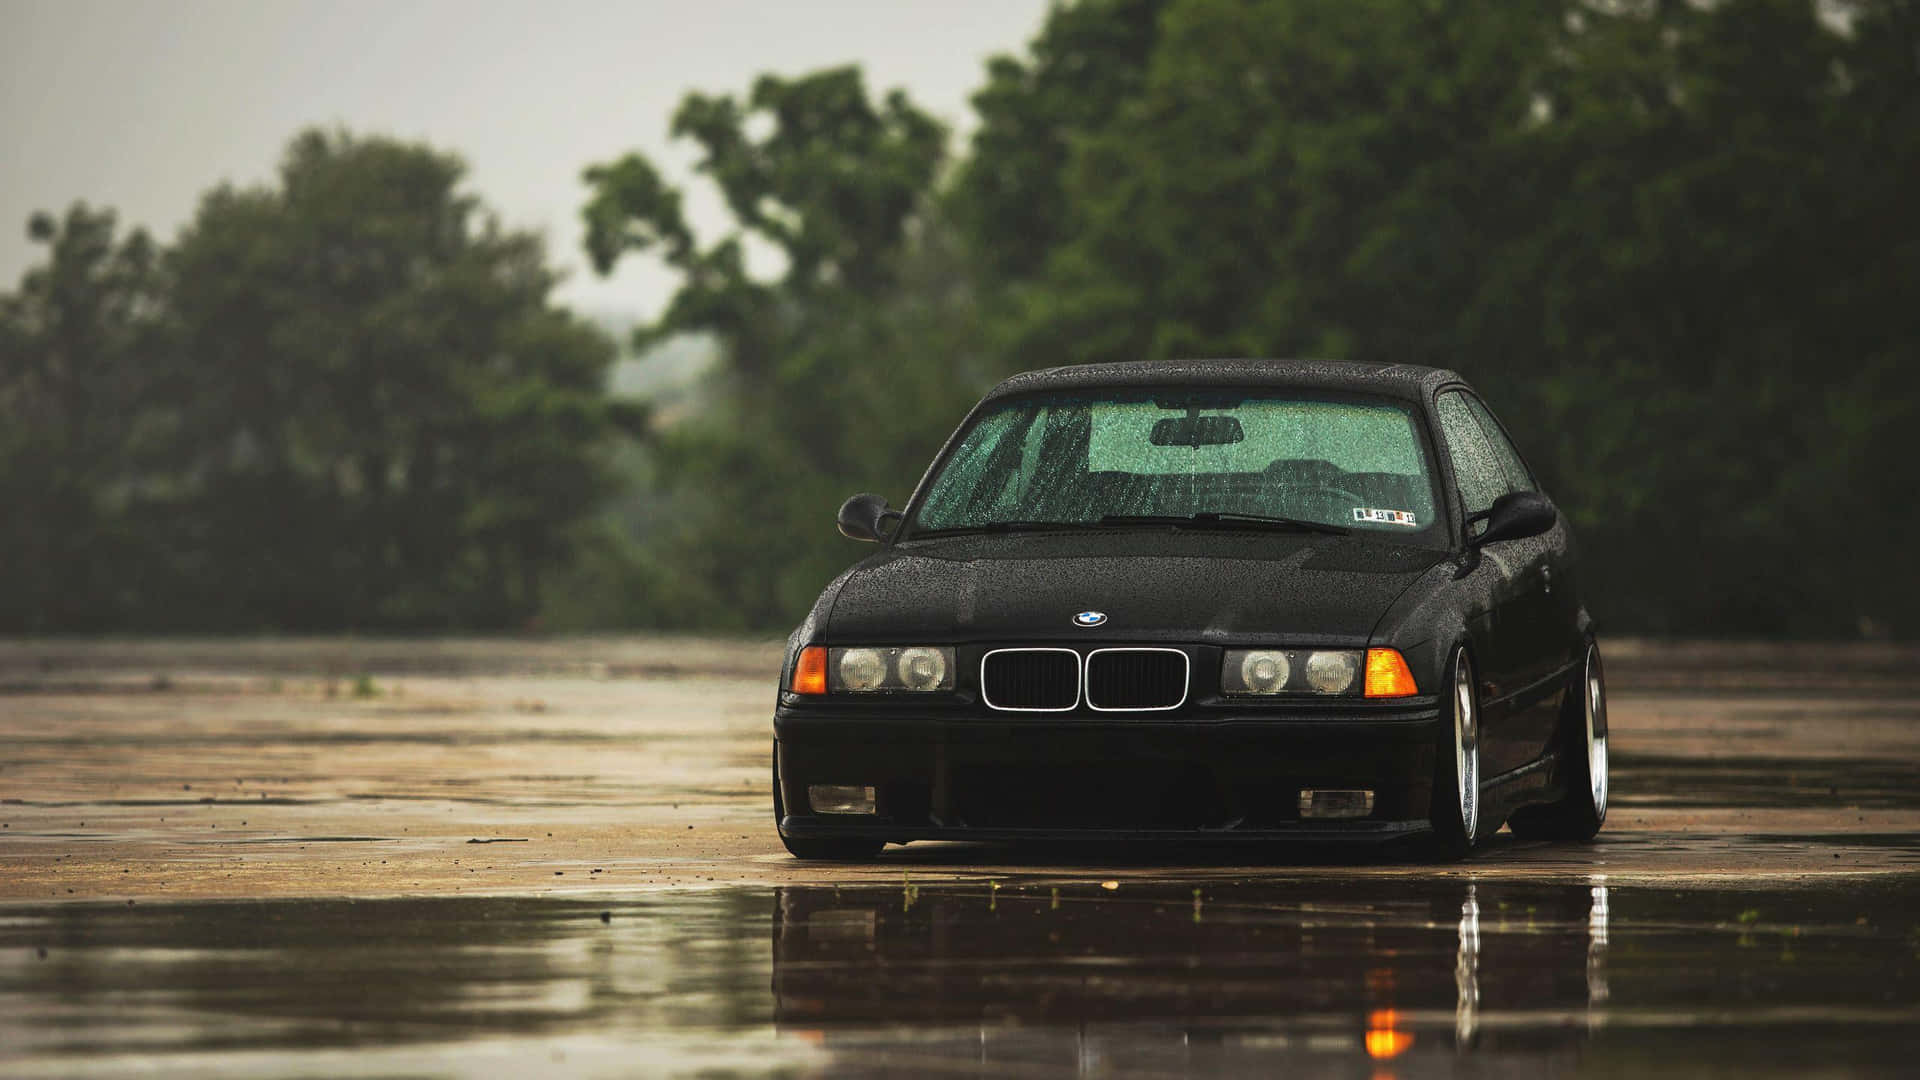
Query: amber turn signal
{"type": "Point", "coordinates": [810, 671]}
{"type": "Point", "coordinates": [1385, 1038]}
{"type": "Point", "coordinates": [1387, 674]}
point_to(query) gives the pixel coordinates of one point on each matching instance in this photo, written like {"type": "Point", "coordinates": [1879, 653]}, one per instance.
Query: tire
{"type": "Point", "coordinates": [833, 848]}
{"type": "Point", "coordinates": [1456, 814]}
{"type": "Point", "coordinates": [1578, 815]}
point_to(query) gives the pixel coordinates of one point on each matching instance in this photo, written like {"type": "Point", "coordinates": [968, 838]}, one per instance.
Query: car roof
{"type": "Point", "coordinates": [1410, 381]}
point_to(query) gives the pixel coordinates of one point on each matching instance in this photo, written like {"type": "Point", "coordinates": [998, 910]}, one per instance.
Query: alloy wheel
{"type": "Point", "coordinates": [1596, 714]}
{"type": "Point", "coordinates": [1466, 747]}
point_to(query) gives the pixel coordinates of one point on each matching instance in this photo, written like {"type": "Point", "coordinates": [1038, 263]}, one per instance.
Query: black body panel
{"type": "Point", "coordinates": [970, 779]}
{"type": "Point", "coordinates": [1159, 584]}
{"type": "Point", "coordinates": [1126, 751]}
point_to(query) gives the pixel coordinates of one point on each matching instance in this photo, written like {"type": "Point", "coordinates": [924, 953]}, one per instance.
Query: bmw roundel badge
{"type": "Point", "coordinates": [1090, 618]}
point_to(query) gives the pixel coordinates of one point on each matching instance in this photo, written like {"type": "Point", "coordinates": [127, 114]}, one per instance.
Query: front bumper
{"type": "Point", "coordinates": [973, 778]}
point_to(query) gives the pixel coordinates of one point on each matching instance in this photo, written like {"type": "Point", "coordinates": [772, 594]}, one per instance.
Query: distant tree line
{"type": "Point", "coordinates": [342, 400]}
{"type": "Point", "coordinates": [1674, 243]}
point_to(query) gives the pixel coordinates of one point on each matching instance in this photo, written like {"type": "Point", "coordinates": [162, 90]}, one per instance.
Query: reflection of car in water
{"type": "Point", "coordinates": [1225, 979]}
{"type": "Point", "coordinates": [1232, 597]}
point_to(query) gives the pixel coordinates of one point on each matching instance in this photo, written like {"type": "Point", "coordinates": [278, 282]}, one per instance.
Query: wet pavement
{"type": "Point", "coordinates": [1236, 976]}
{"type": "Point", "coordinates": [218, 867]}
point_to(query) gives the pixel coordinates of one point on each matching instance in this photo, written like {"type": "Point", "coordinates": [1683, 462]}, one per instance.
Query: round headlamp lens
{"type": "Point", "coordinates": [921, 669]}
{"type": "Point", "coordinates": [1332, 672]}
{"type": "Point", "coordinates": [862, 669]}
{"type": "Point", "coordinates": [1265, 672]}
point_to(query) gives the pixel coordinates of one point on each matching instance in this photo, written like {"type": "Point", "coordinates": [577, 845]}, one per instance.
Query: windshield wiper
{"type": "Point", "coordinates": [1003, 527]}
{"type": "Point", "coordinates": [1230, 519]}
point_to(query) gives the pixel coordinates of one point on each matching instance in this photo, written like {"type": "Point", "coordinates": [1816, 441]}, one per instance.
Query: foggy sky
{"type": "Point", "coordinates": [141, 106]}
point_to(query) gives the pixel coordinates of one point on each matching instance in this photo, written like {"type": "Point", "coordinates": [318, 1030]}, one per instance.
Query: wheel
{"type": "Point", "coordinates": [1455, 812]}
{"type": "Point", "coordinates": [833, 848]}
{"type": "Point", "coordinates": [1583, 751]}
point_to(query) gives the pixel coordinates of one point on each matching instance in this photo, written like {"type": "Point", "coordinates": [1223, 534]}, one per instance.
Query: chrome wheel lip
{"type": "Point", "coordinates": [1466, 747]}
{"type": "Point", "coordinates": [1596, 707]}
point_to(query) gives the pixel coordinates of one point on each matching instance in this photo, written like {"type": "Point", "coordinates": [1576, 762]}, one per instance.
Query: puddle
{"type": "Point", "coordinates": [1026, 976]}
{"type": "Point", "coordinates": [1865, 783]}
{"type": "Point", "coordinates": [1902, 841]}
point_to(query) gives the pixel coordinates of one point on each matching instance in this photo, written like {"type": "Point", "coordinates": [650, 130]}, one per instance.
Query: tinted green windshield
{"type": "Point", "coordinates": [1076, 459]}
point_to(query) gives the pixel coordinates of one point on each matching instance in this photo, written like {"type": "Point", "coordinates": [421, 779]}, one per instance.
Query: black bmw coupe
{"type": "Point", "coordinates": [1201, 598]}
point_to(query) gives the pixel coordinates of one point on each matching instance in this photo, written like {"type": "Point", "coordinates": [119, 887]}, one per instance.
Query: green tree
{"type": "Point", "coordinates": [375, 416]}
{"type": "Point", "coordinates": [1087, 65]}
{"type": "Point", "coordinates": [1667, 239]}
{"type": "Point", "coordinates": [842, 372]}
{"type": "Point", "coordinates": [74, 344]}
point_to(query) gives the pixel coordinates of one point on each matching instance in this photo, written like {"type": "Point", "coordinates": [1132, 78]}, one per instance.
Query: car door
{"type": "Point", "coordinates": [1507, 633]}
{"type": "Point", "coordinates": [1560, 643]}
{"type": "Point", "coordinates": [1552, 614]}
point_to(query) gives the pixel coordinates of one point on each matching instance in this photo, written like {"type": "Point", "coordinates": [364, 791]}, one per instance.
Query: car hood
{"type": "Point", "coordinates": [1178, 585]}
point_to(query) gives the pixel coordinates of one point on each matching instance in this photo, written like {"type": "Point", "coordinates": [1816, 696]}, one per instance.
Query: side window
{"type": "Point", "coordinates": [1475, 469]}
{"type": "Point", "coordinates": [1518, 478]}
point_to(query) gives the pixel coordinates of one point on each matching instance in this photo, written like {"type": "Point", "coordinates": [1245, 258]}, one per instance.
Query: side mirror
{"type": "Point", "coordinates": [1516, 515]}
{"type": "Point", "coordinates": [864, 517]}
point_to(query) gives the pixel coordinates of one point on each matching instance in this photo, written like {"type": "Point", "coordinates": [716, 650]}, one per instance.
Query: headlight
{"type": "Point", "coordinates": [1266, 672]}
{"type": "Point", "coordinates": [1332, 672]}
{"type": "Point", "coordinates": [860, 669]}
{"type": "Point", "coordinates": [921, 668]}
{"type": "Point", "coordinates": [867, 669]}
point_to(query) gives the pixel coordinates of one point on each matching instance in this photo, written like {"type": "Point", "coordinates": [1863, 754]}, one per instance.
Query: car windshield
{"type": "Point", "coordinates": [1213, 459]}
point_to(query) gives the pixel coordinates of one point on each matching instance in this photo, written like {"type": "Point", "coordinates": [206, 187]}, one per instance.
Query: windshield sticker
{"type": "Point", "coordinates": [1384, 517]}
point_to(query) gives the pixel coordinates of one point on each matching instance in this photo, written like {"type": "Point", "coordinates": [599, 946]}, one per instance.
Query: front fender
{"type": "Point", "coordinates": [1429, 618]}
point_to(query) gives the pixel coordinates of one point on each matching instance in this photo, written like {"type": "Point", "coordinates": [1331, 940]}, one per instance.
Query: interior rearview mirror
{"type": "Point", "coordinates": [1197, 431]}
{"type": "Point", "coordinates": [1516, 515]}
{"type": "Point", "coordinates": [866, 517]}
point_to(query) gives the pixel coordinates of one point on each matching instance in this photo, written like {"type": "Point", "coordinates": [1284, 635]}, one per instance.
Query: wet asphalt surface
{"type": "Point", "coordinates": [224, 861]}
